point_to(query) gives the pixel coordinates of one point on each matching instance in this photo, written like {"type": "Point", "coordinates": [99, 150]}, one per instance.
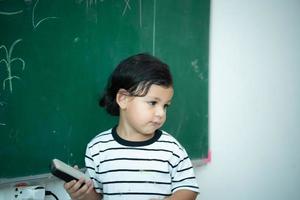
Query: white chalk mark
{"type": "Point", "coordinates": [11, 13]}
{"type": "Point", "coordinates": [201, 76]}
{"type": "Point", "coordinates": [90, 3]}
{"type": "Point", "coordinates": [91, 8]}
{"type": "Point", "coordinates": [154, 27]}
{"type": "Point", "coordinates": [8, 61]}
{"type": "Point", "coordinates": [10, 82]}
{"type": "Point", "coordinates": [195, 66]}
{"type": "Point", "coordinates": [47, 18]}
{"type": "Point", "coordinates": [69, 142]}
{"type": "Point", "coordinates": [42, 20]}
{"type": "Point", "coordinates": [2, 124]}
{"type": "Point", "coordinates": [127, 5]}
{"type": "Point", "coordinates": [76, 39]}
{"type": "Point", "coordinates": [141, 13]}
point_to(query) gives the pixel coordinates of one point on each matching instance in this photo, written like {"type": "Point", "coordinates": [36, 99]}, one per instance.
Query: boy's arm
{"type": "Point", "coordinates": [81, 190]}
{"type": "Point", "coordinates": [183, 194]}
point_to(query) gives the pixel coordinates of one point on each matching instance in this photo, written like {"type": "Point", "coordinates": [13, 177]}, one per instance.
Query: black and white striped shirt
{"type": "Point", "coordinates": [122, 169]}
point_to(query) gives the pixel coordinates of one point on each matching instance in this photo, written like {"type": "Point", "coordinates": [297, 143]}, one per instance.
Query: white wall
{"type": "Point", "coordinates": [254, 101]}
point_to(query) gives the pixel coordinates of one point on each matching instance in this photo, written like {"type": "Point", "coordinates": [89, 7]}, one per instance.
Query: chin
{"type": "Point", "coordinates": [151, 131]}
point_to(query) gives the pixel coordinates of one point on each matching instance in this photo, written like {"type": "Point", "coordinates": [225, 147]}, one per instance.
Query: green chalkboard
{"type": "Point", "coordinates": [56, 57]}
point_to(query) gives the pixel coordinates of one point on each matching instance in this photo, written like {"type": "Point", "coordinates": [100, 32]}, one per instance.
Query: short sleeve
{"type": "Point", "coordinates": [183, 176]}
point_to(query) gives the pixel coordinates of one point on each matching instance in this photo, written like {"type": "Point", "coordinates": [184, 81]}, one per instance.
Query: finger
{"type": "Point", "coordinates": [79, 184]}
{"type": "Point", "coordinates": [79, 194]}
{"type": "Point", "coordinates": [69, 185]}
{"type": "Point", "coordinates": [90, 186]}
{"type": "Point", "coordinates": [75, 186]}
{"type": "Point", "coordinates": [83, 189]}
{"type": "Point", "coordinates": [76, 167]}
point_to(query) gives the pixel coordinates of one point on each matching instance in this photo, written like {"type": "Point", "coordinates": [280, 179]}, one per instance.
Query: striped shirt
{"type": "Point", "coordinates": [122, 169]}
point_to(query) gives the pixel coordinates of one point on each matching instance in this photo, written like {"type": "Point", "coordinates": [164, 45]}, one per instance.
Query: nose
{"type": "Point", "coordinates": [160, 111]}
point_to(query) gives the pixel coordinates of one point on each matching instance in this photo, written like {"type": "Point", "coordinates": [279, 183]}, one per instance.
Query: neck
{"type": "Point", "coordinates": [128, 133]}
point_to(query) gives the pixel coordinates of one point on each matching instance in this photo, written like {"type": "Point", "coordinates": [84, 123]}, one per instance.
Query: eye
{"type": "Point", "coordinates": [166, 106]}
{"type": "Point", "coordinates": [152, 103]}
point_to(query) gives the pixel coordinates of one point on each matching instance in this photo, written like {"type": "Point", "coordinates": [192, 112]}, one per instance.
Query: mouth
{"type": "Point", "coordinates": [156, 124]}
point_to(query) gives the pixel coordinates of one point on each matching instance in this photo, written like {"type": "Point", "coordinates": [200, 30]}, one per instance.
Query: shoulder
{"type": "Point", "coordinates": [102, 137]}
{"type": "Point", "coordinates": [167, 137]}
{"type": "Point", "coordinates": [171, 142]}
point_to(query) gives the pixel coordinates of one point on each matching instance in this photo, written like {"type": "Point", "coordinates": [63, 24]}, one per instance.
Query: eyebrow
{"type": "Point", "coordinates": [159, 99]}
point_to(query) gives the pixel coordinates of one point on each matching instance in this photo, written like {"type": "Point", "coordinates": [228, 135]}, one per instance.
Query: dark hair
{"type": "Point", "coordinates": [135, 74]}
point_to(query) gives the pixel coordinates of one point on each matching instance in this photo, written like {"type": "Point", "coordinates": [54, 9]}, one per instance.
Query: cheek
{"type": "Point", "coordinates": [164, 118]}
{"type": "Point", "coordinates": [139, 112]}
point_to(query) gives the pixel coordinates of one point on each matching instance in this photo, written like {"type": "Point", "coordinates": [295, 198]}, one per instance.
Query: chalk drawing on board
{"type": "Point", "coordinates": [89, 3]}
{"type": "Point", "coordinates": [69, 145]}
{"type": "Point", "coordinates": [11, 13]}
{"type": "Point", "coordinates": [196, 69]}
{"type": "Point", "coordinates": [8, 61]}
{"type": "Point", "coordinates": [2, 104]}
{"type": "Point", "coordinates": [141, 13]}
{"type": "Point", "coordinates": [127, 6]}
{"type": "Point", "coordinates": [154, 27]}
{"type": "Point", "coordinates": [91, 7]}
{"type": "Point", "coordinates": [14, 136]}
{"type": "Point", "coordinates": [35, 25]}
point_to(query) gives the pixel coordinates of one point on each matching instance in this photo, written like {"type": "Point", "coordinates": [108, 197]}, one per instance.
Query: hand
{"type": "Point", "coordinates": [79, 189]}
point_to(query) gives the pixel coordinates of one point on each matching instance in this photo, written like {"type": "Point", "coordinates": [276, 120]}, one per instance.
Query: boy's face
{"type": "Point", "coordinates": [143, 115]}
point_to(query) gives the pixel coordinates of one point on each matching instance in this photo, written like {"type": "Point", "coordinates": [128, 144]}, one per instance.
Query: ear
{"type": "Point", "coordinates": [122, 98]}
